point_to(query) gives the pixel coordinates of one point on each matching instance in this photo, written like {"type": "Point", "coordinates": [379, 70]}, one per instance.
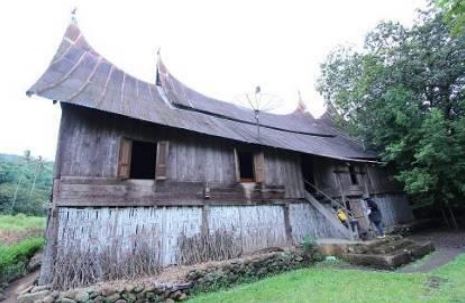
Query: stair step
{"type": "Point", "coordinates": [401, 256]}
{"type": "Point", "coordinates": [330, 216]}
{"type": "Point", "coordinates": [368, 246]}
{"type": "Point", "coordinates": [392, 246]}
{"type": "Point", "coordinates": [419, 250]}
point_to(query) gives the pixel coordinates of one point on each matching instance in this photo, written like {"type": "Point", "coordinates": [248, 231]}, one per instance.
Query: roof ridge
{"type": "Point", "coordinates": [80, 76]}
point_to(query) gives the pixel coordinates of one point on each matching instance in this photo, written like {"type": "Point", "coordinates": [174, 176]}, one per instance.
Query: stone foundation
{"type": "Point", "coordinates": [200, 278]}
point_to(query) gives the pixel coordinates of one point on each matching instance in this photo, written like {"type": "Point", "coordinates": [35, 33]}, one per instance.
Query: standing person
{"type": "Point", "coordinates": [352, 221]}
{"type": "Point", "coordinates": [374, 214]}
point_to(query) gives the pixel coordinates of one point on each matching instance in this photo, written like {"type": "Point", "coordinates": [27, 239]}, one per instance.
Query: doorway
{"type": "Point", "coordinates": [306, 165]}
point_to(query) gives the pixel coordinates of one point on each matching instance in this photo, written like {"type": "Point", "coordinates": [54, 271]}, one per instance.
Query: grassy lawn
{"type": "Point", "coordinates": [20, 238]}
{"type": "Point", "coordinates": [325, 283]}
{"type": "Point", "coordinates": [21, 222]}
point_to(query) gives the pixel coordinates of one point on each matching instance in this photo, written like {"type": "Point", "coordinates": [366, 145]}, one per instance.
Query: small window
{"type": "Point", "coordinates": [246, 166]}
{"type": "Point", "coordinates": [353, 175]}
{"type": "Point", "coordinates": [143, 159]}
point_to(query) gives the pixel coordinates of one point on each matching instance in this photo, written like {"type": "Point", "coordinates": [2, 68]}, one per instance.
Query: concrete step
{"type": "Point", "coordinates": [388, 253]}
{"type": "Point", "coordinates": [421, 249]}
{"type": "Point", "coordinates": [390, 247]}
{"type": "Point", "coordinates": [392, 260]}
{"type": "Point", "coordinates": [368, 246]}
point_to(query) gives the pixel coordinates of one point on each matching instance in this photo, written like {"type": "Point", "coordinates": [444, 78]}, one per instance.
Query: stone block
{"type": "Point", "coordinates": [32, 297]}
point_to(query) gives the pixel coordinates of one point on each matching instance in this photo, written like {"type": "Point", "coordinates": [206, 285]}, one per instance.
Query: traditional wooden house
{"type": "Point", "coordinates": [160, 166]}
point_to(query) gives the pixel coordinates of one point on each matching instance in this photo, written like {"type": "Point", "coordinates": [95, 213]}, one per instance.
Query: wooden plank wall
{"type": "Point", "coordinates": [201, 159]}
{"type": "Point", "coordinates": [373, 179]}
{"type": "Point", "coordinates": [325, 178]}
{"type": "Point", "coordinates": [91, 142]}
{"type": "Point", "coordinates": [283, 168]}
{"type": "Point", "coordinates": [381, 181]}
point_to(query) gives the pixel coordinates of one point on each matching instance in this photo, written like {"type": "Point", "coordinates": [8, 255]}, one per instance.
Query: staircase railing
{"type": "Point", "coordinates": [329, 214]}
{"type": "Point", "coordinates": [333, 201]}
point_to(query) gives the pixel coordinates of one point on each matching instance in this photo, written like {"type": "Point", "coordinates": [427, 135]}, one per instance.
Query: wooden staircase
{"type": "Point", "coordinates": [324, 204]}
{"type": "Point", "coordinates": [387, 253]}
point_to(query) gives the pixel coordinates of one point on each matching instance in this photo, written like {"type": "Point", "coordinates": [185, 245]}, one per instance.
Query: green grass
{"type": "Point", "coordinates": [13, 258]}
{"type": "Point", "coordinates": [454, 287]}
{"type": "Point", "coordinates": [330, 284]}
{"type": "Point", "coordinates": [23, 235]}
{"type": "Point", "coordinates": [21, 251]}
{"type": "Point", "coordinates": [21, 222]}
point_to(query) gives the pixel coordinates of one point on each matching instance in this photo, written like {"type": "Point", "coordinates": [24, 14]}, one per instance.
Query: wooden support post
{"type": "Point", "coordinates": [341, 189]}
{"type": "Point", "coordinates": [205, 228]}
{"type": "Point", "coordinates": [51, 230]}
{"type": "Point", "coordinates": [364, 175]}
{"type": "Point", "coordinates": [51, 235]}
{"type": "Point", "coordinates": [287, 224]}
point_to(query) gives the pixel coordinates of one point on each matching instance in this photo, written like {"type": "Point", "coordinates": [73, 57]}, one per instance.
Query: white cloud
{"type": "Point", "coordinates": [220, 48]}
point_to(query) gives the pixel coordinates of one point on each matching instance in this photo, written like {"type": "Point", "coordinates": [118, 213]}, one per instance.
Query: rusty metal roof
{"type": "Point", "coordinates": [81, 76]}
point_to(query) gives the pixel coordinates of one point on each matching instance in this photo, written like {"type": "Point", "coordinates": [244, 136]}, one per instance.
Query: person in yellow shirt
{"type": "Point", "coordinates": [342, 216]}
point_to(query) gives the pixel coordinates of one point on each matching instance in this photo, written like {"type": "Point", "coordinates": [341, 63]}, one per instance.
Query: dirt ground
{"type": "Point", "coordinates": [448, 245]}
{"type": "Point", "coordinates": [8, 237]}
{"type": "Point", "coordinates": [19, 285]}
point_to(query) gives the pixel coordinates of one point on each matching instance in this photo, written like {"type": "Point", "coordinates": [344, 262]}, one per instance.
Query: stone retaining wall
{"type": "Point", "coordinates": [198, 279]}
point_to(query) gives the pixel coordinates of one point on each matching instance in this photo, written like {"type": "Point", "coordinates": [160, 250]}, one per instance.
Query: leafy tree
{"type": "Point", "coordinates": [454, 14]}
{"type": "Point", "coordinates": [404, 96]}
{"type": "Point", "coordinates": [25, 184]}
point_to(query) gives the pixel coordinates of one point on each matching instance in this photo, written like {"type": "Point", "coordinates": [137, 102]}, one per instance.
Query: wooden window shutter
{"type": "Point", "coordinates": [236, 166]}
{"type": "Point", "coordinates": [162, 159]}
{"type": "Point", "coordinates": [259, 167]}
{"type": "Point", "coordinates": [124, 158]}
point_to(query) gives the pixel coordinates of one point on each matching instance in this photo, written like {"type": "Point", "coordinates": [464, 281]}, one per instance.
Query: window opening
{"type": "Point", "coordinates": [246, 166]}
{"type": "Point", "coordinates": [143, 159]}
{"type": "Point", "coordinates": [353, 175]}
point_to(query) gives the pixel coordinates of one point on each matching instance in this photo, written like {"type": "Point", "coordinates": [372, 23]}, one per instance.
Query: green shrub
{"type": "Point", "coordinates": [13, 258]}
{"type": "Point", "coordinates": [310, 249]}
{"type": "Point", "coordinates": [308, 244]}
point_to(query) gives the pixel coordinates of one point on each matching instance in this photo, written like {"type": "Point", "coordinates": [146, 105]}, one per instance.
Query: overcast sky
{"type": "Point", "coordinates": [220, 48]}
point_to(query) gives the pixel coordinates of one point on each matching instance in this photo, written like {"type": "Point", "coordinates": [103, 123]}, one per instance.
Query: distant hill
{"type": "Point", "coordinates": [10, 157]}
{"type": "Point", "coordinates": [25, 183]}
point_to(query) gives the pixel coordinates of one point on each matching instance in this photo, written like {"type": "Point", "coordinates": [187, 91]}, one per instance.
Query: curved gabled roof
{"type": "Point", "coordinates": [81, 76]}
{"type": "Point", "coordinates": [184, 97]}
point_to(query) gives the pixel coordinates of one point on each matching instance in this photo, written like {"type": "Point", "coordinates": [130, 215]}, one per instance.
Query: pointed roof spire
{"type": "Point", "coordinates": [158, 67]}
{"type": "Point", "coordinates": [73, 15]}
{"type": "Point", "coordinates": [301, 107]}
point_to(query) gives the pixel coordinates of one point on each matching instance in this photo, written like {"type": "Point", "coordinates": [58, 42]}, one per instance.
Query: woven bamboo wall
{"type": "Point", "coordinates": [306, 221]}
{"type": "Point", "coordinates": [395, 209]}
{"type": "Point", "coordinates": [160, 228]}
{"type": "Point", "coordinates": [121, 229]}
{"type": "Point", "coordinates": [257, 227]}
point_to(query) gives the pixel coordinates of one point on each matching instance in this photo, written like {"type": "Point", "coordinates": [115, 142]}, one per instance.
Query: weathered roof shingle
{"type": "Point", "coordinates": [81, 76]}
